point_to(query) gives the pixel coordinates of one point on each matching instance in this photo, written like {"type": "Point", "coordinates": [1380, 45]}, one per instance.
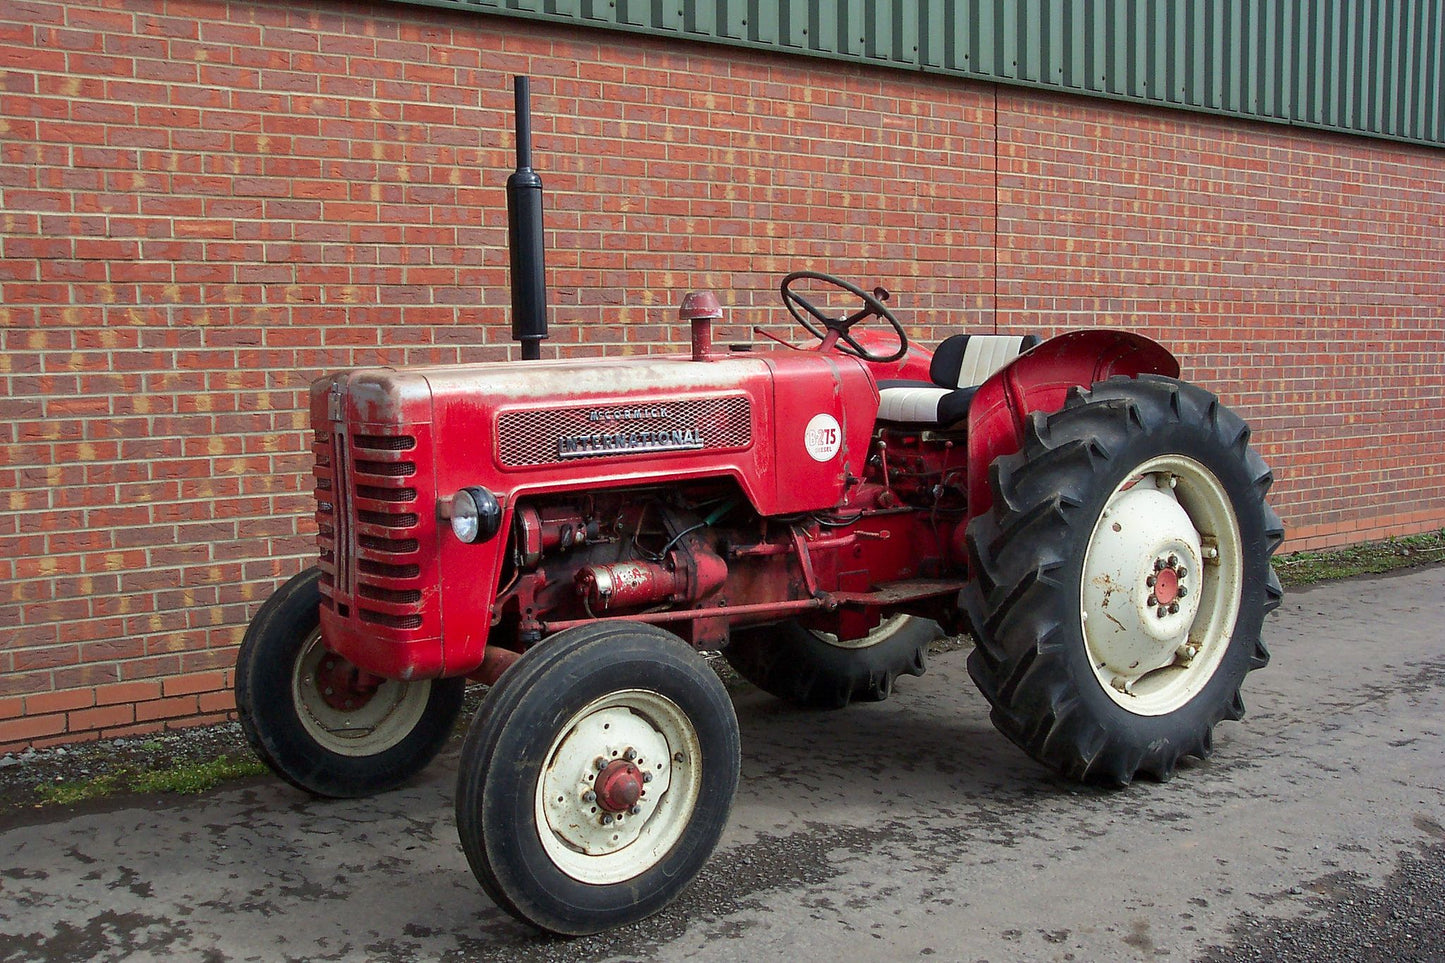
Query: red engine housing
{"type": "Point", "coordinates": [704, 492]}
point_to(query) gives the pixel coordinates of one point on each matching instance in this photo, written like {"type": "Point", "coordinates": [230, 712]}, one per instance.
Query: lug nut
{"type": "Point", "coordinates": [1174, 607]}
{"type": "Point", "coordinates": [1181, 571]}
{"type": "Point", "coordinates": [635, 810]}
{"type": "Point", "coordinates": [1183, 591]}
{"type": "Point", "coordinates": [647, 777]}
{"type": "Point", "coordinates": [1149, 581]}
{"type": "Point", "coordinates": [630, 754]}
{"type": "Point", "coordinates": [600, 762]}
{"type": "Point", "coordinates": [1153, 600]}
{"type": "Point", "coordinates": [607, 819]}
{"type": "Point", "coordinates": [1163, 611]}
{"type": "Point", "coordinates": [1173, 560]}
{"type": "Point", "coordinates": [1158, 564]}
{"type": "Point", "coordinates": [589, 796]}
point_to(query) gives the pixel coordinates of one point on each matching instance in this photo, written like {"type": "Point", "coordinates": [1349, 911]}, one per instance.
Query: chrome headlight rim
{"type": "Point", "coordinates": [475, 514]}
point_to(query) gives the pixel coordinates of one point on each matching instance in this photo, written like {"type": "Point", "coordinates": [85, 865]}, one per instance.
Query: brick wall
{"type": "Point", "coordinates": [203, 205]}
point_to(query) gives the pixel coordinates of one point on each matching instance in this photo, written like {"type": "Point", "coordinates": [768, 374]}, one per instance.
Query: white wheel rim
{"type": "Point", "coordinates": [377, 723]}
{"type": "Point", "coordinates": [581, 838]}
{"type": "Point", "coordinates": [881, 633]}
{"type": "Point", "coordinates": [1155, 637]}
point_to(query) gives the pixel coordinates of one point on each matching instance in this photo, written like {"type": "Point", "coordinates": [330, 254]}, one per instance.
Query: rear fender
{"type": "Point", "coordinates": [1039, 380]}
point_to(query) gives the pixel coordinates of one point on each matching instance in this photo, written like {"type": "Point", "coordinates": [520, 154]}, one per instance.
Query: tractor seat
{"type": "Point", "coordinates": [961, 363]}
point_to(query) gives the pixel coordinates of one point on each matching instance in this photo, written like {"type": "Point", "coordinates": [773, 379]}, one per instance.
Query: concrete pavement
{"type": "Point", "coordinates": [903, 829]}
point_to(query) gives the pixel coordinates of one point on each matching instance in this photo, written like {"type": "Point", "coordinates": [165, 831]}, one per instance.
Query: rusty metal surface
{"type": "Point", "coordinates": [896, 593]}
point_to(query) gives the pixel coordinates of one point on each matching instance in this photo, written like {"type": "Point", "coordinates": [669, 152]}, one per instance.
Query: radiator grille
{"type": "Point", "coordinates": [550, 436]}
{"type": "Point", "coordinates": [367, 522]}
{"type": "Point", "coordinates": [323, 448]}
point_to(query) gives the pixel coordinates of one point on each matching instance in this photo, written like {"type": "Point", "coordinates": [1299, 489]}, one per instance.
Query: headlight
{"type": "Point", "coordinates": [476, 516]}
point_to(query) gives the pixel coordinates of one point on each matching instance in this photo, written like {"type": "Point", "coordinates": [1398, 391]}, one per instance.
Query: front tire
{"type": "Point", "coordinates": [1121, 579]}
{"type": "Point", "coordinates": [597, 777]}
{"type": "Point", "coordinates": [315, 721]}
{"type": "Point", "coordinates": [815, 670]}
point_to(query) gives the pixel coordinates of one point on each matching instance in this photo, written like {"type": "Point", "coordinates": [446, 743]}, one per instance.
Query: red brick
{"type": "Point", "coordinates": [59, 701]}
{"type": "Point", "coordinates": [176, 708]}
{"type": "Point", "coordinates": [101, 717]}
{"type": "Point", "coordinates": [129, 731]}
{"type": "Point", "coordinates": [220, 701]}
{"type": "Point", "coordinates": [127, 692]}
{"type": "Point", "coordinates": [20, 732]}
{"type": "Point", "coordinates": [207, 682]}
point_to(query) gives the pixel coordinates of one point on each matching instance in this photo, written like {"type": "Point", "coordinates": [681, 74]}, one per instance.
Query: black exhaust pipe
{"type": "Point", "coordinates": [524, 236]}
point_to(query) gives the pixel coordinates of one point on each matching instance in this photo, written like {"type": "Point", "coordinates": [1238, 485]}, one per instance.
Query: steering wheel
{"type": "Point", "coordinates": [835, 330]}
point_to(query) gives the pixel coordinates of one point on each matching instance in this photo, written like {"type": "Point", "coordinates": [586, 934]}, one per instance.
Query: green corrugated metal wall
{"type": "Point", "coordinates": [1369, 67]}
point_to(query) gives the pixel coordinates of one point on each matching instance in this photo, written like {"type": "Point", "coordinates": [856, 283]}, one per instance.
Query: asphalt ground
{"type": "Point", "coordinates": [903, 829]}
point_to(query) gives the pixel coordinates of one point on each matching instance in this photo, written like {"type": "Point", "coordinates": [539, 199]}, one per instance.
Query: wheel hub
{"type": "Point", "coordinates": [606, 780]}
{"type": "Point", "coordinates": [619, 786]}
{"type": "Point", "coordinates": [1136, 599]}
{"type": "Point", "coordinates": [1167, 586]}
{"type": "Point", "coordinates": [348, 711]}
{"type": "Point", "coordinates": [342, 685]}
{"type": "Point", "coordinates": [1160, 585]}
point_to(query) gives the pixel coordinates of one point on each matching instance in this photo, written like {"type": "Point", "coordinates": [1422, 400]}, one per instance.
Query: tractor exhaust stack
{"type": "Point", "coordinates": [524, 235]}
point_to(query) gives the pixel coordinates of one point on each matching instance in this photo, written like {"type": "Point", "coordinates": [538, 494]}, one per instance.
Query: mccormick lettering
{"type": "Point", "coordinates": [627, 442]}
{"type": "Point", "coordinates": [629, 414]}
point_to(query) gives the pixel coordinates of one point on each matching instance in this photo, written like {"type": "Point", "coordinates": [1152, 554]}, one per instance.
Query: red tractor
{"type": "Point", "coordinates": [576, 532]}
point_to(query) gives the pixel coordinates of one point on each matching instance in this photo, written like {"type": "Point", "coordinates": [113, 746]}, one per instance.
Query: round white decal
{"type": "Point", "coordinates": [823, 437]}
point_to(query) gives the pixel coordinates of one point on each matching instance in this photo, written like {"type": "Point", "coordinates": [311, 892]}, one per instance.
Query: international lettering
{"type": "Point", "coordinates": [628, 442]}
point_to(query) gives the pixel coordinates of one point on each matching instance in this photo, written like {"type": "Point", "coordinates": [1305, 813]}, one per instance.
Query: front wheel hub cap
{"type": "Point", "coordinates": [619, 786]}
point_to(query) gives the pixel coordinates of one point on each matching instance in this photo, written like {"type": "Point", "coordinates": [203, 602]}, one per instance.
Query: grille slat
{"type": "Point", "coordinates": [388, 571]}
{"type": "Point", "coordinates": [405, 622]}
{"type": "Point", "coordinates": [385, 468]}
{"type": "Point", "coordinates": [384, 442]}
{"type": "Point", "coordinates": [388, 519]}
{"type": "Point", "coordinates": [378, 494]}
{"type": "Point", "coordinates": [391, 596]}
{"type": "Point", "coordinates": [393, 546]}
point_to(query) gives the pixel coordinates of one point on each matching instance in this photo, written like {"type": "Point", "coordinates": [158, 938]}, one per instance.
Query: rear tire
{"type": "Point", "coordinates": [814, 670]}
{"type": "Point", "coordinates": [292, 697]}
{"type": "Point", "coordinates": [547, 838]}
{"type": "Point", "coordinates": [1121, 579]}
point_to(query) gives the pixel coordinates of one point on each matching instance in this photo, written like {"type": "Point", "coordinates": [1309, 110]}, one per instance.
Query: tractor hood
{"type": "Point", "coordinates": [545, 426]}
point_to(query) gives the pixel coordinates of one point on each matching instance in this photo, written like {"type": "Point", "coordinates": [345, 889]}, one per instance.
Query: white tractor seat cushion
{"type": "Point", "coordinates": [960, 365]}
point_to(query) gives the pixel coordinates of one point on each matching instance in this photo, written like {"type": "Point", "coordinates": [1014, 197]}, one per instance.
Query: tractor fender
{"type": "Point", "coordinates": [1039, 380]}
